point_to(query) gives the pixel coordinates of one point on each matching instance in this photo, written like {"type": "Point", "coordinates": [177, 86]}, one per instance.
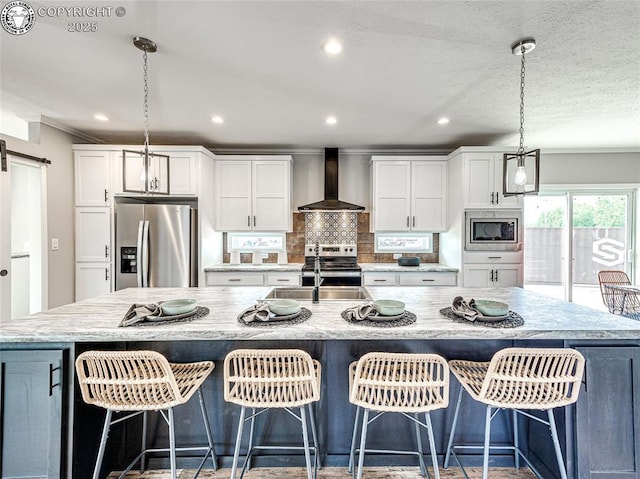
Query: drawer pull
{"type": "Point", "coordinates": [381, 280]}
{"type": "Point", "coordinates": [234, 279]}
{"type": "Point", "coordinates": [284, 280]}
{"type": "Point", "coordinates": [495, 257]}
{"type": "Point", "coordinates": [427, 280]}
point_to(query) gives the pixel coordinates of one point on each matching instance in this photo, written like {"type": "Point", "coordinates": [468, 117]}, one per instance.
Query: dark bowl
{"type": "Point", "coordinates": [409, 261]}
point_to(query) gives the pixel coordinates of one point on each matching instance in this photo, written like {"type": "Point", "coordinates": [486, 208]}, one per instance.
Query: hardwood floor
{"type": "Point", "coordinates": [338, 472]}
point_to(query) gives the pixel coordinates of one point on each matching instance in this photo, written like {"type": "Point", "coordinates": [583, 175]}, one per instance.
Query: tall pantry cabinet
{"type": "Point", "coordinates": [99, 176]}
{"type": "Point", "coordinates": [475, 183]}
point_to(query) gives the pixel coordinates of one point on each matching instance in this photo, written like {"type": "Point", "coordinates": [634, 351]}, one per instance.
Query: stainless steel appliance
{"type": "Point", "coordinates": [493, 230]}
{"type": "Point", "coordinates": [155, 243]}
{"type": "Point", "coordinates": [338, 265]}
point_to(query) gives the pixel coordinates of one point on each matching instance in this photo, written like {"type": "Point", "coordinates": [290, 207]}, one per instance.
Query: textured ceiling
{"type": "Point", "coordinates": [404, 65]}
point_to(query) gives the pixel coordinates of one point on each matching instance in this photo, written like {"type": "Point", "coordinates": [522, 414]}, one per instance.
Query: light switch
{"type": "Point", "coordinates": [55, 245]}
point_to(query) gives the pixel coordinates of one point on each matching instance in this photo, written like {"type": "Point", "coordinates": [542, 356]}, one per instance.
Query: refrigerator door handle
{"type": "Point", "coordinates": [139, 253]}
{"type": "Point", "coordinates": [145, 255]}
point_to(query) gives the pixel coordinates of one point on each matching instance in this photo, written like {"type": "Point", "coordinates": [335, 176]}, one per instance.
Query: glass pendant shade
{"type": "Point", "coordinates": [521, 173]}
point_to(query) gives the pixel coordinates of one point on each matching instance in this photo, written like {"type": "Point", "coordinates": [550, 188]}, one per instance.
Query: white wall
{"type": "Point", "coordinates": [589, 168]}
{"type": "Point", "coordinates": [55, 145]}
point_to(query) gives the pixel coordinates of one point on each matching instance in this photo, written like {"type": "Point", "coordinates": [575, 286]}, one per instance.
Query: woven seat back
{"type": "Point", "coordinates": [610, 297]}
{"type": "Point", "coordinates": [264, 378]}
{"type": "Point", "coordinates": [400, 382]}
{"type": "Point", "coordinates": [127, 380]}
{"type": "Point", "coordinates": [533, 378]}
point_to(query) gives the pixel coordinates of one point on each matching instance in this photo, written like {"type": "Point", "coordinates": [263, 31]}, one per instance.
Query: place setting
{"type": "Point", "coordinates": [163, 312]}
{"type": "Point", "coordinates": [275, 312]}
{"type": "Point", "coordinates": [482, 312]}
{"type": "Point", "coordinates": [382, 313]}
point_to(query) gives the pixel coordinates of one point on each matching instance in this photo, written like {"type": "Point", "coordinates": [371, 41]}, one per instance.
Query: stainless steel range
{"type": "Point", "coordinates": [338, 265]}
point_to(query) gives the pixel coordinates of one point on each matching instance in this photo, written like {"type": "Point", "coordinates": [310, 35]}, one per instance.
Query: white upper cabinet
{"type": "Point", "coordinates": [483, 182]}
{"type": "Point", "coordinates": [253, 194]}
{"type": "Point", "coordinates": [409, 193]}
{"type": "Point", "coordinates": [92, 178]}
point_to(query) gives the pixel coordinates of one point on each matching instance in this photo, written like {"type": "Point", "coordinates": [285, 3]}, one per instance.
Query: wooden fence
{"type": "Point", "coordinates": [594, 249]}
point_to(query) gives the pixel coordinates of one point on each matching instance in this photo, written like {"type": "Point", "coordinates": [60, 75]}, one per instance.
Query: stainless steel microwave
{"type": "Point", "coordinates": [493, 230]}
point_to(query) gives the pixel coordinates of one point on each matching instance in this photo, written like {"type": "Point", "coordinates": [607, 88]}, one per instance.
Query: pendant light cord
{"type": "Point", "coordinates": [146, 101]}
{"type": "Point", "coordinates": [521, 149]}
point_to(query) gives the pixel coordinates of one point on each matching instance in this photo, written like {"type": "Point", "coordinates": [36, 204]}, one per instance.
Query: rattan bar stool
{"type": "Point", "coordinates": [518, 379]}
{"type": "Point", "coordinates": [137, 382]}
{"type": "Point", "coordinates": [403, 383]}
{"type": "Point", "coordinates": [626, 304]}
{"type": "Point", "coordinates": [266, 379]}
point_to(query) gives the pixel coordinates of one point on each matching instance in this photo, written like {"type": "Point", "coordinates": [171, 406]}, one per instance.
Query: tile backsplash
{"type": "Point", "coordinates": [365, 240]}
{"type": "Point", "coordinates": [339, 227]}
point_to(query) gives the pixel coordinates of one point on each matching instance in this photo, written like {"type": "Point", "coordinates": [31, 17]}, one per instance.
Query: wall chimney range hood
{"type": "Point", "coordinates": [331, 201]}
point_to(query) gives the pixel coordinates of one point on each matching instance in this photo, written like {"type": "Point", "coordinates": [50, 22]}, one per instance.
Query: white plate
{"type": "Point", "coordinates": [380, 317]}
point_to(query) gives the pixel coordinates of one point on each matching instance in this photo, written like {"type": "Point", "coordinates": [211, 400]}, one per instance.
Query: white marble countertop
{"type": "Point", "coordinates": [253, 268]}
{"type": "Point", "coordinates": [396, 268]}
{"type": "Point", "coordinates": [97, 319]}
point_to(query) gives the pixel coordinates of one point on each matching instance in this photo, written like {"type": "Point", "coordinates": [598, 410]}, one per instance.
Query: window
{"type": "Point", "coordinates": [256, 242]}
{"type": "Point", "coordinates": [399, 243]}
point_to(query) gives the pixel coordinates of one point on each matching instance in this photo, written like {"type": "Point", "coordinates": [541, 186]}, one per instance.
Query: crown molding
{"type": "Point", "coordinates": [67, 129]}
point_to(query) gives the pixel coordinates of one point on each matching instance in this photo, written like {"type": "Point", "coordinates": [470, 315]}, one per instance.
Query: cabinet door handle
{"type": "Point", "coordinates": [249, 221]}
{"type": "Point", "coordinates": [497, 198]}
{"type": "Point", "coordinates": [106, 274]}
{"type": "Point", "coordinates": [492, 276]}
{"type": "Point", "coordinates": [496, 276]}
{"type": "Point", "coordinates": [51, 383]}
{"type": "Point", "coordinates": [254, 221]}
{"type": "Point", "coordinates": [106, 251]}
{"type": "Point", "coordinates": [414, 221]}
{"type": "Point", "coordinates": [106, 195]}
{"type": "Point", "coordinates": [407, 221]}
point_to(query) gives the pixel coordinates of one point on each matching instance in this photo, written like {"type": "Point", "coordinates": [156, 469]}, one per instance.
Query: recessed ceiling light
{"type": "Point", "coordinates": [331, 120]}
{"type": "Point", "coordinates": [100, 117]}
{"type": "Point", "coordinates": [217, 119]}
{"type": "Point", "coordinates": [332, 46]}
{"type": "Point", "coordinates": [443, 121]}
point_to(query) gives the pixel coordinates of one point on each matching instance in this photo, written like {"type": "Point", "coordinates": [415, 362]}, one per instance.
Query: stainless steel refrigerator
{"type": "Point", "coordinates": [156, 244]}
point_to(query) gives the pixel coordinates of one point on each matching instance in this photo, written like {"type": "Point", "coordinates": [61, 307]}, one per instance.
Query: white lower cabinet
{"type": "Point", "coordinates": [93, 234]}
{"type": "Point", "coordinates": [417, 278]}
{"type": "Point", "coordinates": [247, 278]}
{"type": "Point", "coordinates": [498, 275]}
{"type": "Point", "coordinates": [492, 269]}
{"type": "Point", "coordinates": [282, 279]}
{"type": "Point", "coordinates": [92, 279]}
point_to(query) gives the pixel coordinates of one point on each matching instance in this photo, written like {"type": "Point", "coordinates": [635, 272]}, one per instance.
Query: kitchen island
{"type": "Point", "coordinates": [607, 414]}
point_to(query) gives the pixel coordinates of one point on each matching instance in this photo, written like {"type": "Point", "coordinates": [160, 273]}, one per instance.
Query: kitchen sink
{"type": "Point", "coordinates": [327, 293]}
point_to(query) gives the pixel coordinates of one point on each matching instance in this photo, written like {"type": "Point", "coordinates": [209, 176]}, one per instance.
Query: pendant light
{"type": "Point", "coordinates": [521, 170]}
{"type": "Point", "coordinates": [153, 168]}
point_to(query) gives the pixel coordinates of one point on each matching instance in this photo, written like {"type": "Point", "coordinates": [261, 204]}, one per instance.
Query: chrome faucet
{"type": "Point", "coordinates": [317, 278]}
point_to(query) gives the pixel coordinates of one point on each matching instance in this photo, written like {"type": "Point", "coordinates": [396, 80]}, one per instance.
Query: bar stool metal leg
{"type": "Point", "coordinates": [516, 441]}
{"type": "Point", "coordinates": [236, 453]}
{"type": "Point", "coordinates": [143, 461]}
{"type": "Point", "coordinates": [252, 428]}
{"type": "Point", "coordinates": [416, 424]}
{"type": "Point", "coordinates": [556, 443]}
{"type": "Point", "coordinates": [487, 441]}
{"type": "Point", "coordinates": [363, 441]}
{"type": "Point", "coordinates": [103, 444]}
{"type": "Point", "coordinates": [353, 439]}
{"type": "Point", "coordinates": [432, 444]}
{"type": "Point", "coordinates": [305, 441]}
{"type": "Point", "coordinates": [207, 430]}
{"type": "Point", "coordinates": [453, 429]}
{"type": "Point", "coordinates": [314, 433]}
{"type": "Point", "coordinates": [172, 444]}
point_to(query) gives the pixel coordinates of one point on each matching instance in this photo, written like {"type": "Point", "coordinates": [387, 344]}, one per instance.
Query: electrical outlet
{"type": "Point", "coordinates": [397, 255]}
{"type": "Point", "coordinates": [55, 244]}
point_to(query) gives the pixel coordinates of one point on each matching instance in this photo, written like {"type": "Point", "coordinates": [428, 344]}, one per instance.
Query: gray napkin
{"type": "Point", "coordinates": [139, 312]}
{"type": "Point", "coordinates": [257, 312]}
{"type": "Point", "coordinates": [462, 309]}
{"type": "Point", "coordinates": [360, 311]}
